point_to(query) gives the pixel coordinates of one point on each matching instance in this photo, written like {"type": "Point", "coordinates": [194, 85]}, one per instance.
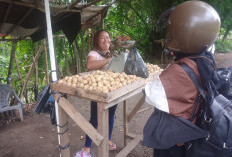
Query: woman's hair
{"type": "Point", "coordinates": [95, 38]}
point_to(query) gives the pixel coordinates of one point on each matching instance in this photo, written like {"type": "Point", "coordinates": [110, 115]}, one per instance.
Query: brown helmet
{"type": "Point", "coordinates": [191, 27]}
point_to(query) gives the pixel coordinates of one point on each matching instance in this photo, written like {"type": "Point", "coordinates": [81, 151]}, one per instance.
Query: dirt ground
{"type": "Point", "coordinates": [37, 137]}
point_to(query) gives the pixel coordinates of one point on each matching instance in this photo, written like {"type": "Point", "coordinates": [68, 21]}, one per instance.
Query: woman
{"type": "Point", "coordinates": [98, 59]}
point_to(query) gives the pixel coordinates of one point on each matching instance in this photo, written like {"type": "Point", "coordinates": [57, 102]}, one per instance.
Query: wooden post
{"type": "Point", "coordinates": [125, 123]}
{"type": "Point", "coordinates": [62, 130]}
{"type": "Point", "coordinates": [79, 119]}
{"type": "Point", "coordinates": [103, 129]}
{"type": "Point", "coordinates": [129, 147]}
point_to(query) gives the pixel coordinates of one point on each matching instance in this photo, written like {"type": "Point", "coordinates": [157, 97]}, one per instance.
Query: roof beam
{"type": "Point", "coordinates": [70, 6]}
{"type": "Point", "coordinates": [68, 9]}
{"type": "Point", "coordinates": [28, 38]}
{"type": "Point", "coordinates": [41, 8]}
{"type": "Point", "coordinates": [89, 4]}
{"type": "Point", "coordinates": [6, 15]}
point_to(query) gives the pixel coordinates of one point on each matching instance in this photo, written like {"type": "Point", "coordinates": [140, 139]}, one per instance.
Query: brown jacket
{"type": "Point", "coordinates": [174, 92]}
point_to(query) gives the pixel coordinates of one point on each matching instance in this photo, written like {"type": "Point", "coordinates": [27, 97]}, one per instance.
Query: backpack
{"type": "Point", "coordinates": [225, 85]}
{"type": "Point", "coordinates": [215, 116]}
{"type": "Point", "coordinates": [46, 104]}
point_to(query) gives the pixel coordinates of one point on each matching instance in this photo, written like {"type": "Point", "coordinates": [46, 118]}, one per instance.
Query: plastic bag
{"type": "Point", "coordinates": [117, 63]}
{"type": "Point", "coordinates": [135, 65]}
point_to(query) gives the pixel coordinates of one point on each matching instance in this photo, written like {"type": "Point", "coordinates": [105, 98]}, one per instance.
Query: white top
{"type": "Point", "coordinates": [97, 56]}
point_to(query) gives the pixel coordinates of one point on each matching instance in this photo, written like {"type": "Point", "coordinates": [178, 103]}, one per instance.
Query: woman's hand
{"type": "Point", "coordinates": [93, 64]}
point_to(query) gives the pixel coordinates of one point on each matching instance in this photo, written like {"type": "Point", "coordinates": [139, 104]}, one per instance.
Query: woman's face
{"type": "Point", "coordinates": [104, 41]}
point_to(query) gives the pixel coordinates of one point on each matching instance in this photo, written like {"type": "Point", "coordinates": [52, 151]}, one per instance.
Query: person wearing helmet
{"type": "Point", "coordinates": [192, 27]}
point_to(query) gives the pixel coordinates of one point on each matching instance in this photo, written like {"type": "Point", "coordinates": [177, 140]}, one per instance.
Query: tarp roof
{"type": "Point", "coordinates": [22, 18]}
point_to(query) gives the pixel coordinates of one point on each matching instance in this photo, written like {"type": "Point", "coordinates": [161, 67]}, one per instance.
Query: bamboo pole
{"type": "Point", "coordinates": [53, 68]}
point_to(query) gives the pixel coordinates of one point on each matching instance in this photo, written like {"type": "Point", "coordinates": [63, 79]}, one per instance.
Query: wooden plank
{"type": "Point", "coordinates": [136, 108]}
{"type": "Point", "coordinates": [79, 119]}
{"type": "Point", "coordinates": [132, 136]}
{"type": "Point", "coordinates": [144, 109]}
{"type": "Point", "coordinates": [79, 92]}
{"type": "Point", "coordinates": [103, 128]}
{"type": "Point", "coordinates": [63, 133]}
{"type": "Point", "coordinates": [125, 123]}
{"type": "Point", "coordinates": [125, 151]}
{"type": "Point", "coordinates": [124, 97]}
{"type": "Point", "coordinates": [125, 89]}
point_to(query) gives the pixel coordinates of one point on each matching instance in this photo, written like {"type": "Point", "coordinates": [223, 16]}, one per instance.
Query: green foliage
{"type": "Point", "coordinates": [138, 19]}
{"type": "Point", "coordinates": [224, 10]}
{"type": "Point", "coordinates": [4, 60]}
{"type": "Point", "coordinates": [224, 46]}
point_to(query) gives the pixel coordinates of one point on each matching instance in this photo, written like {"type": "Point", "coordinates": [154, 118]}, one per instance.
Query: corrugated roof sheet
{"type": "Point", "coordinates": [22, 18]}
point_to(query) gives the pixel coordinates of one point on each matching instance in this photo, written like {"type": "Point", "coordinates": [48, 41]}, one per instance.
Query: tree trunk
{"type": "Point", "coordinates": [72, 54]}
{"type": "Point", "coordinates": [76, 55]}
{"type": "Point", "coordinates": [82, 52]}
{"type": "Point", "coordinates": [226, 34]}
{"type": "Point", "coordinates": [36, 80]}
{"type": "Point", "coordinates": [71, 51]}
{"type": "Point", "coordinates": [66, 62]}
{"type": "Point", "coordinates": [36, 75]}
{"type": "Point", "coordinates": [18, 71]}
{"type": "Point", "coordinates": [60, 76]}
{"type": "Point", "coordinates": [89, 42]}
{"type": "Point", "coordinates": [32, 68]}
{"type": "Point", "coordinates": [11, 61]}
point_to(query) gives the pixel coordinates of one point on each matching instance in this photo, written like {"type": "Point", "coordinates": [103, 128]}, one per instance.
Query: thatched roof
{"type": "Point", "coordinates": [22, 18]}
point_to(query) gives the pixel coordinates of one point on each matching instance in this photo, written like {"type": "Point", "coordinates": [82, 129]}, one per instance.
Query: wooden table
{"type": "Point", "coordinates": [105, 101]}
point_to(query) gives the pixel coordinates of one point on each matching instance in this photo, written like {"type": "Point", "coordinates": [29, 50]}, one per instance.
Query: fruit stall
{"type": "Point", "coordinates": [107, 88]}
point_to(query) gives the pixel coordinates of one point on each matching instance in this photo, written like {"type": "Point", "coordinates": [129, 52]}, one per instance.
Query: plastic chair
{"type": "Point", "coordinates": [6, 91]}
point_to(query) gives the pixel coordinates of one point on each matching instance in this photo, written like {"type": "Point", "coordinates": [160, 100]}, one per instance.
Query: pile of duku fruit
{"type": "Point", "coordinates": [103, 81]}
{"type": "Point", "coordinates": [100, 81]}
{"type": "Point", "coordinates": [153, 68]}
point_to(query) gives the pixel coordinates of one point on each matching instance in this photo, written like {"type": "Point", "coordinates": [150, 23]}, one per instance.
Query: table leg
{"type": "Point", "coordinates": [103, 129]}
{"type": "Point", "coordinates": [125, 122]}
{"type": "Point", "coordinates": [62, 129]}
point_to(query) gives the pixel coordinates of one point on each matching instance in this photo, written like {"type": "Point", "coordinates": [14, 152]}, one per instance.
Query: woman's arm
{"type": "Point", "coordinates": [93, 64]}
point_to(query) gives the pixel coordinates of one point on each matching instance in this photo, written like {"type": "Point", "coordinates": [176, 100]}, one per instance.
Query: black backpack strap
{"type": "Point", "coordinates": [196, 81]}
{"type": "Point", "coordinates": [194, 78]}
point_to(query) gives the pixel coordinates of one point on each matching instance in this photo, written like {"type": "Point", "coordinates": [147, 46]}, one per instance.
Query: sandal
{"type": "Point", "coordinates": [112, 146]}
{"type": "Point", "coordinates": [83, 154]}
